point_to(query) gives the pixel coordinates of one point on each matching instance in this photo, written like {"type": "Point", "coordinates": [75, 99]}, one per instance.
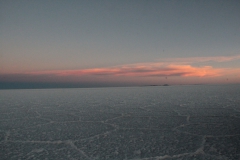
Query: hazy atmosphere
{"type": "Point", "coordinates": [119, 42]}
{"type": "Point", "coordinates": [120, 79]}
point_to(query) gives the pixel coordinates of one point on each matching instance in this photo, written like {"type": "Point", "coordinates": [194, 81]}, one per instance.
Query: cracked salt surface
{"type": "Point", "coordinates": [138, 123]}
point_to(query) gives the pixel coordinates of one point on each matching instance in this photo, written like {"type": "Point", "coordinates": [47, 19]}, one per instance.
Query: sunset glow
{"type": "Point", "coordinates": [171, 70]}
{"type": "Point", "coordinates": [131, 71]}
{"type": "Point", "coordinates": [119, 43]}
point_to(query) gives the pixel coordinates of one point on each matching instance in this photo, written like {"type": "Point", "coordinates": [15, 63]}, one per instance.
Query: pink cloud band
{"type": "Point", "coordinates": [175, 68]}
{"type": "Point", "coordinates": [153, 69]}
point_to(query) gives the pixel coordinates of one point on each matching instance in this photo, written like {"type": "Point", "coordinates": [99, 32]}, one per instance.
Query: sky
{"type": "Point", "coordinates": [119, 42]}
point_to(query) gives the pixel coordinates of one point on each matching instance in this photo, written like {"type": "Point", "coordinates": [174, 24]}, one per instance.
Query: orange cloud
{"type": "Point", "coordinates": [147, 70]}
{"type": "Point", "coordinates": [175, 67]}
{"type": "Point", "coordinates": [134, 74]}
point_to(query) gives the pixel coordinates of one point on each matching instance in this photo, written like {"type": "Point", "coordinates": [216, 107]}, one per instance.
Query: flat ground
{"type": "Point", "coordinates": [39, 128]}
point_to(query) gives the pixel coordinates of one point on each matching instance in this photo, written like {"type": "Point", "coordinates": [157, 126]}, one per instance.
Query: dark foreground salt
{"type": "Point", "coordinates": [146, 123]}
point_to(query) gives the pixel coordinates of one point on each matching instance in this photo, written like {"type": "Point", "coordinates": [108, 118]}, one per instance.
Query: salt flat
{"type": "Point", "coordinates": [145, 123]}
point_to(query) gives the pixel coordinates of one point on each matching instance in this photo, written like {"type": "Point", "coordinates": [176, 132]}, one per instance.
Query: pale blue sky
{"type": "Point", "coordinates": [66, 35]}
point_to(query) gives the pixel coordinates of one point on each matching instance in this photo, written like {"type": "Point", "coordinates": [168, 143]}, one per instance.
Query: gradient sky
{"type": "Point", "coordinates": [120, 42]}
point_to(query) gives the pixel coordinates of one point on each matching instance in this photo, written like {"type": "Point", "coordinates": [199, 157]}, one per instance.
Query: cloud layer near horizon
{"type": "Point", "coordinates": [143, 70]}
{"type": "Point", "coordinates": [177, 67]}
